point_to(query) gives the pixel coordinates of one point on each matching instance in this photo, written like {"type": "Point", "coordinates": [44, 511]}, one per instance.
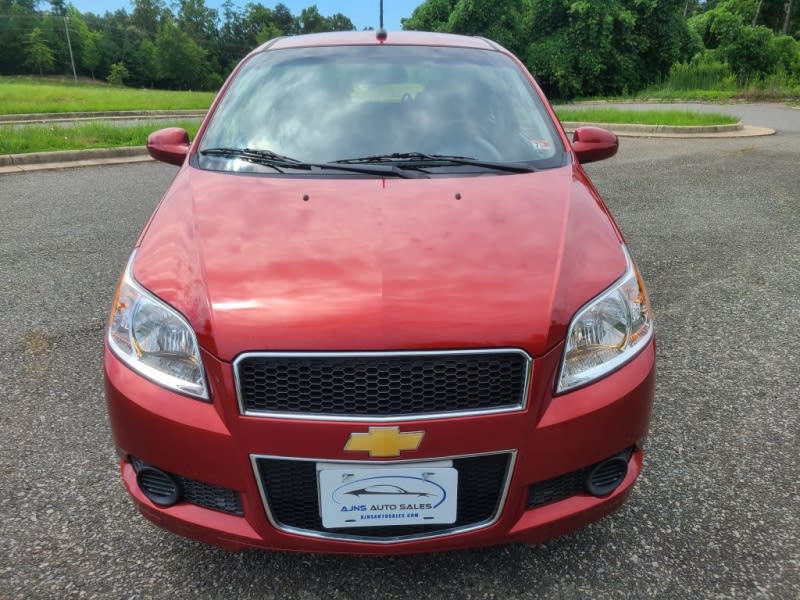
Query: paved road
{"type": "Point", "coordinates": [715, 226]}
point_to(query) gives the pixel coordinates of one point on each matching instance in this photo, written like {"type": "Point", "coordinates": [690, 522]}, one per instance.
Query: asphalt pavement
{"type": "Point", "coordinates": [715, 228]}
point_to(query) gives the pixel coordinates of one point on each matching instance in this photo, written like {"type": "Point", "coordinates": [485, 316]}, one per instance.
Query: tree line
{"type": "Point", "coordinates": [573, 47]}
{"type": "Point", "coordinates": [611, 47]}
{"type": "Point", "coordinates": [192, 47]}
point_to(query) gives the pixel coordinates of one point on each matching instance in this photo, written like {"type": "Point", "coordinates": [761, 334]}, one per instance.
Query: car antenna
{"type": "Point", "coordinates": [381, 35]}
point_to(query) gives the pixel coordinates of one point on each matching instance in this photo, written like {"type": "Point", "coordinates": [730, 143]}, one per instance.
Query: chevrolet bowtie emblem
{"type": "Point", "coordinates": [384, 441]}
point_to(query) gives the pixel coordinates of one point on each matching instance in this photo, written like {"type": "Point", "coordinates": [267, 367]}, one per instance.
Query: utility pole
{"type": "Point", "coordinates": [69, 43]}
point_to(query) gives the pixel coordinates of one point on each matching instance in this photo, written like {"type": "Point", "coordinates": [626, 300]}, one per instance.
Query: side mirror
{"type": "Point", "coordinates": [170, 145]}
{"type": "Point", "coordinates": [594, 143]}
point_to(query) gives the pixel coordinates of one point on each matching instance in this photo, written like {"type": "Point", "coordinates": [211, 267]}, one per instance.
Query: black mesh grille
{"type": "Point", "coordinates": [564, 486]}
{"type": "Point", "coordinates": [291, 489]}
{"type": "Point", "coordinates": [557, 488]}
{"type": "Point", "coordinates": [210, 496]}
{"type": "Point", "coordinates": [382, 385]}
{"type": "Point", "coordinates": [202, 494]}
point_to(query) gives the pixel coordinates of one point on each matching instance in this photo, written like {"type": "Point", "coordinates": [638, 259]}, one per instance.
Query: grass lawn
{"type": "Point", "coordinates": [18, 139]}
{"type": "Point", "coordinates": [666, 95]}
{"type": "Point", "coordinates": [22, 95]}
{"type": "Point", "coordinates": [745, 94]}
{"type": "Point", "coordinates": [98, 134]}
{"type": "Point", "coordinates": [643, 117]}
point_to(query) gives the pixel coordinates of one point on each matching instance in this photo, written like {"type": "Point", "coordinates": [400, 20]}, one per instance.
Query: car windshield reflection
{"type": "Point", "coordinates": [321, 105]}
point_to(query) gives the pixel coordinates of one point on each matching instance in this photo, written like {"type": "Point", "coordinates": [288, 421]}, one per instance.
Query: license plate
{"type": "Point", "coordinates": [362, 496]}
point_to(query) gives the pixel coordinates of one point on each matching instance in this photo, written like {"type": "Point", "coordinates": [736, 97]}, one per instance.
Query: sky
{"type": "Point", "coordinates": [363, 13]}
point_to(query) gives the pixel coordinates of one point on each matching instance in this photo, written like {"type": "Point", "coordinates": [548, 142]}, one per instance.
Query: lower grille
{"type": "Point", "coordinates": [557, 488]}
{"type": "Point", "coordinates": [210, 496]}
{"type": "Point", "coordinates": [564, 486]}
{"type": "Point", "coordinates": [199, 493]}
{"type": "Point", "coordinates": [290, 487]}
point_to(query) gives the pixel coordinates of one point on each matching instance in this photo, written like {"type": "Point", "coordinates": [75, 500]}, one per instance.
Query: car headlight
{"type": "Point", "coordinates": [154, 340]}
{"type": "Point", "coordinates": [607, 332]}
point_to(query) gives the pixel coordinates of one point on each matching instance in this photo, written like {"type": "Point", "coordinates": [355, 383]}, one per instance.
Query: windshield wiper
{"type": "Point", "coordinates": [415, 160]}
{"type": "Point", "coordinates": [279, 162]}
{"type": "Point", "coordinates": [248, 153]}
{"type": "Point", "coordinates": [262, 157]}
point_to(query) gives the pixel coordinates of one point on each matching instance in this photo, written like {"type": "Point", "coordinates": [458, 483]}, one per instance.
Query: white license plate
{"type": "Point", "coordinates": [363, 496]}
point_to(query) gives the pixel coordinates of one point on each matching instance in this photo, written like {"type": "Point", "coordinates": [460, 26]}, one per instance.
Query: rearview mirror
{"type": "Point", "coordinates": [594, 143]}
{"type": "Point", "coordinates": [170, 145]}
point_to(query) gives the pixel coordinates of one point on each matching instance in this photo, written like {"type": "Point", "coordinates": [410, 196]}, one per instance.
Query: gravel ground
{"type": "Point", "coordinates": [715, 228]}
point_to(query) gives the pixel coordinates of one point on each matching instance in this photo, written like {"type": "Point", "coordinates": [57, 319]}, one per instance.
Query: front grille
{"type": "Point", "coordinates": [375, 385]}
{"type": "Point", "coordinates": [290, 487]}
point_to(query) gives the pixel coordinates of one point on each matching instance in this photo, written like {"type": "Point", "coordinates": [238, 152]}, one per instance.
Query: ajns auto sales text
{"type": "Point", "coordinates": [375, 507]}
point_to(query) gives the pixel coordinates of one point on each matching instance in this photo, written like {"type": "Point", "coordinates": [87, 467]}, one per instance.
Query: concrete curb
{"type": "Point", "coordinates": [120, 115]}
{"type": "Point", "coordinates": [673, 132]}
{"type": "Point", "coordinates": [41, 161]}
{"type": "Point", "coordinates": [674, 129]}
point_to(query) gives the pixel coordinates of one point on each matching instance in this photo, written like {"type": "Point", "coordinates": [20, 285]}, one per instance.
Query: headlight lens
{"type": "Point", "coordinates": [607, 332]}
{"type": "Point", "coordinates": [154, 339]}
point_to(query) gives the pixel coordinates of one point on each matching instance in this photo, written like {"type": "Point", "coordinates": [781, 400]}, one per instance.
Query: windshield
{"type": "Point", "coordinates": [379, 103]}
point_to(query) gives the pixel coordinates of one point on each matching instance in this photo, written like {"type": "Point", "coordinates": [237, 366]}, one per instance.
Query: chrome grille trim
{"type": "Point", "coordinates": [512, 454]}
{"type": "Point", "coordinates": [521, 406]}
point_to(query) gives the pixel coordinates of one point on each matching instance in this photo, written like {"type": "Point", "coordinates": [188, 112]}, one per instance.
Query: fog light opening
{"type": "Point", "coordinates": [606, 476]}
{"type": "Point", "coordinates": [160, 488]}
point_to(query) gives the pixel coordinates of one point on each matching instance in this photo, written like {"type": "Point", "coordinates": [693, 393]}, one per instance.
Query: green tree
{"type": "Point", "coordinates": [751, 51]}
{"type": "Point", "coordinates": [258, 22]}
{"type": "Point", "coordinates": [339, 22]}
{"type": "Point", "coordinates": [574, 47]}
{"type": "Point", "coordinates": [90, 56]}
{"type": "Point", "coordinates": [787, 54]}
{"type": "Point", "coordinates": [112, 41]}
{"type": "Point", "coordinates": [58, 7]}
{"type": "Point", "coordinates": [198, 21]}
{"type": "Point", "coordinates": [146, 57]}
{"type": "Point", "coordinates": [18, 19]}
{"type": "Point", "coordinates": [311, 21]}
{"type": "Point", "coordinates": [284, 19]}
{"type": "Point", "coordinates": [181, 62]}
{"type": "Point", "coordinates": [431, 15]}
{"type": "Point", "coordinates": [269, 31]}
{"type": "Point", "coordinates": [232, 41]}
{"type": "Point", "coordinates": [147, 16]}
{"type": "Point", "coordinates": [118, 75]}
{"type": "Point", "coordinates": [781, 16]}
{"type": "Point", "coordinates": [52, 27]}
{"type": "Point", "coordinates": [38, 54]}
{"type": "Point", "coordinates": [498, 21]}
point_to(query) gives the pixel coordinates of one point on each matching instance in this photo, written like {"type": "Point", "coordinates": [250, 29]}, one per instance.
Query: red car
{"type": "Point", "coordinates": [381, 309]}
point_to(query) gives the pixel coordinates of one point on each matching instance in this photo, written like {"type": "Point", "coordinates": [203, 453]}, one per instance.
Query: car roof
{"type": "Point", "coordinates": [363, 38]}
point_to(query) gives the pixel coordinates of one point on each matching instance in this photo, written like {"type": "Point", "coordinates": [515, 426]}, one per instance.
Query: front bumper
{"type": "Point", "coordinates": [214, 444]}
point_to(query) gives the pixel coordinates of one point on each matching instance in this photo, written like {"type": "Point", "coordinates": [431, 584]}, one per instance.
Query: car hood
{"type": "Point", "coordinates": [278, 263]}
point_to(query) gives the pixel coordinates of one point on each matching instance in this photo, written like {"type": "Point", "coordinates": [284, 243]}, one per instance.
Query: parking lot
{"type": "Point", "coordinates": [715, 228]}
